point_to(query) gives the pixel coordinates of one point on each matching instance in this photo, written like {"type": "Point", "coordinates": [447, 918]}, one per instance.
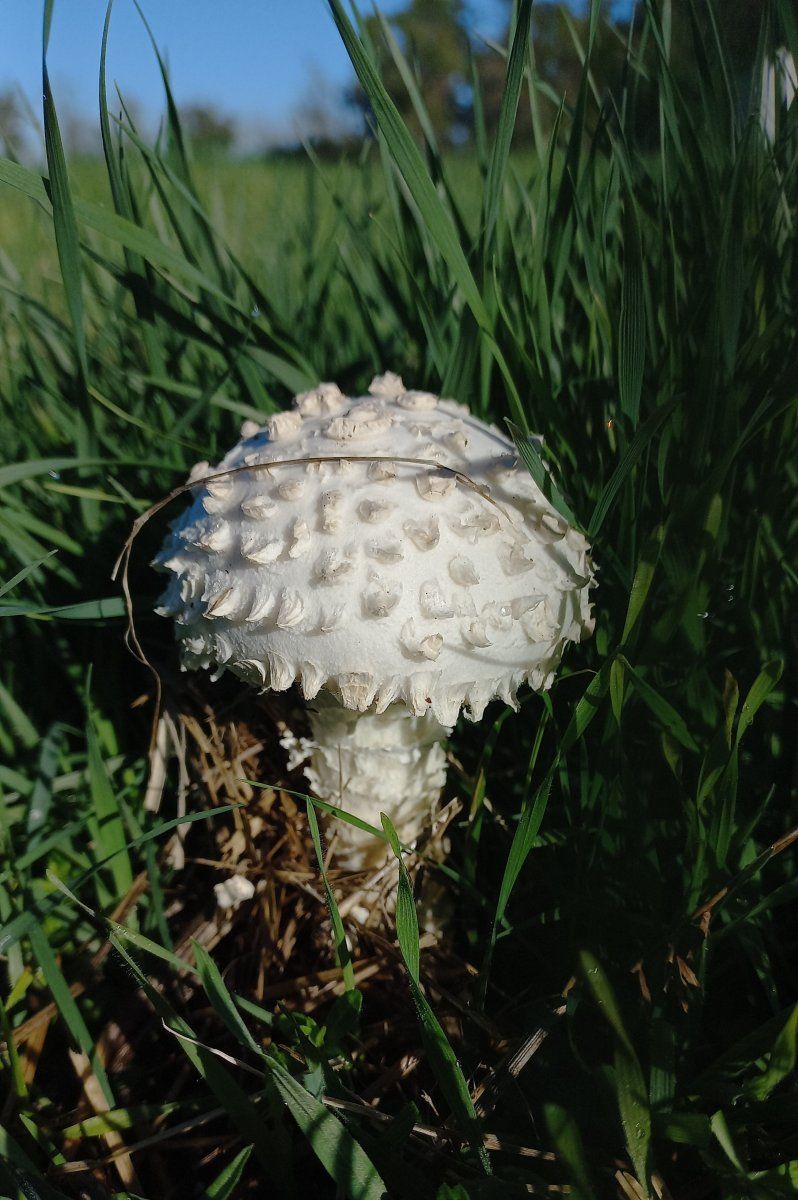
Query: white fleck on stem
{"type": "Point", "coordinates": [370, 763]}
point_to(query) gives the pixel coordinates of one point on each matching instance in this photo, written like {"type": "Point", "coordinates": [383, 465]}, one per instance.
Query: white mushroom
{"type": "Point", "coordinates": [407, 592]}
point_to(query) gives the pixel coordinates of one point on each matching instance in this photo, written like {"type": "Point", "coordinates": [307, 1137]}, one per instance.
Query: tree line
{"type": "Point", "coordinates": [460, 76]}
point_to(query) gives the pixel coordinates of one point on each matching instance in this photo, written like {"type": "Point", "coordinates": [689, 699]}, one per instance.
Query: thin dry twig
{"type": "Point", "coordinates": [703, 914]}
{"type": "Point", "coordinates": [112, 1138]}
{"type": "Point", "coordinates": [488, 1093]}
{"type": "Point", "coordinates": [491, 1141]}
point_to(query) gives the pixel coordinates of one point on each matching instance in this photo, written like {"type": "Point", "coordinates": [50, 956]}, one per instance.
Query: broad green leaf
{"type": "Point", "coordinates": [585, 709]}
{"type": "Point", "coordinates": [688, 1128]}
{"type": "Point", "coordinates": [18, 1173]}
{"type": "Point", "coordinates": [42, 791]}
{"type": "Point", "coordinates": [719, 1124]}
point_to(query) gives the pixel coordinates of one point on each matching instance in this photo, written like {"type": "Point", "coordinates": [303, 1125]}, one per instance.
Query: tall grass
{"type": "Point", "coordinates": [625, 870]}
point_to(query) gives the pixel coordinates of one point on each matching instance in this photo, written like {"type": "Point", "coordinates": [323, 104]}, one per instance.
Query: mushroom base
{"type": "Point", "coordinates": [370, 763]}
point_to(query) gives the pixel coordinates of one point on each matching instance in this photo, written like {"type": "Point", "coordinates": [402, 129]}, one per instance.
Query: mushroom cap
{"type": "Point", "coordinates": [441, 582]}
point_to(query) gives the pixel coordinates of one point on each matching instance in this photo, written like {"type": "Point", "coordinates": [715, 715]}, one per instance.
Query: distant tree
{"type": "Point", "coordinates": [735, 25]}
{"type": "Point", "coordinates": [433, 37]}
{"type": "Point", "coordinates": [557, 33]}
{"type": "Point", "coordinates": [739, 23]}
{"type": "Point", "coordinates": [208, 130]}
{"type": "Point", "coordinates": [320, 117]}
{"type": "Point", "coordinates": [80, 132]}
{"type": "Point", "coordinates": [556, 28]}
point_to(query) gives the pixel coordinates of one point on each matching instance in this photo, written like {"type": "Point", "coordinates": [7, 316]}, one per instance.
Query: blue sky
{"type": "Point", "coordinates": [255, 59]}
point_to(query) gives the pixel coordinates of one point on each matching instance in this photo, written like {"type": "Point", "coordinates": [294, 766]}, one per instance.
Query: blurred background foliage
{"type": "Point", "coordinates": [447, 55]}
{"type": "Point", "coordinates": [435, 37]}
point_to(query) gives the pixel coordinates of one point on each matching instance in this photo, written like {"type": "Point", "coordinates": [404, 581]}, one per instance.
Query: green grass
{"type": "Point", "coordinates": [624, 870]}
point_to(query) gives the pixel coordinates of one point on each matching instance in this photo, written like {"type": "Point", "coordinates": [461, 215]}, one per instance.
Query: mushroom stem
{"type": "Point", "coordinates": [369, 763]}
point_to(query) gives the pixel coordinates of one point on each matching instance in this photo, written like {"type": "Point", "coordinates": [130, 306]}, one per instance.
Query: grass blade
{"type": "Point", "coordinates": [410, 164]}
{"type": "Point", "coordinates": [630, 1084]}
{"type": "Point", "coordinates": [507, 116]}
{"type": "Point", "coordinates": [644, 574]}
{"type": "Point", "coordinates": [662, 709]}
{"type": "Point", "coordinates": [338, 1152]}
{"type": "Point", "coordinates": [85, 610]}
{"type": "Point", "coordinates": [443, 1060]}
{"type": "Point", "coordinates": [342, 954]}
{"type": "Point", "coordinates": [632, 324]}
{"type": "Point", "coordinates": [107, 826]}
{"type": "Point", "coordinates": [224, 1185]}
{"type": "Point", "coordinates": [68, 247]}
{"type": "Point", "coordinates": [67, 1006]}
{"type": "Point", "coordinates": [235, 1101]}
{"type": "Point", "coordinates": [645, 434]}
{"type": "Point", "coordinates": [540, 473]}
{"type": "Point", "coordinates": [221, 999]}
{"type": "Point", "coordinates": [25, 572]}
